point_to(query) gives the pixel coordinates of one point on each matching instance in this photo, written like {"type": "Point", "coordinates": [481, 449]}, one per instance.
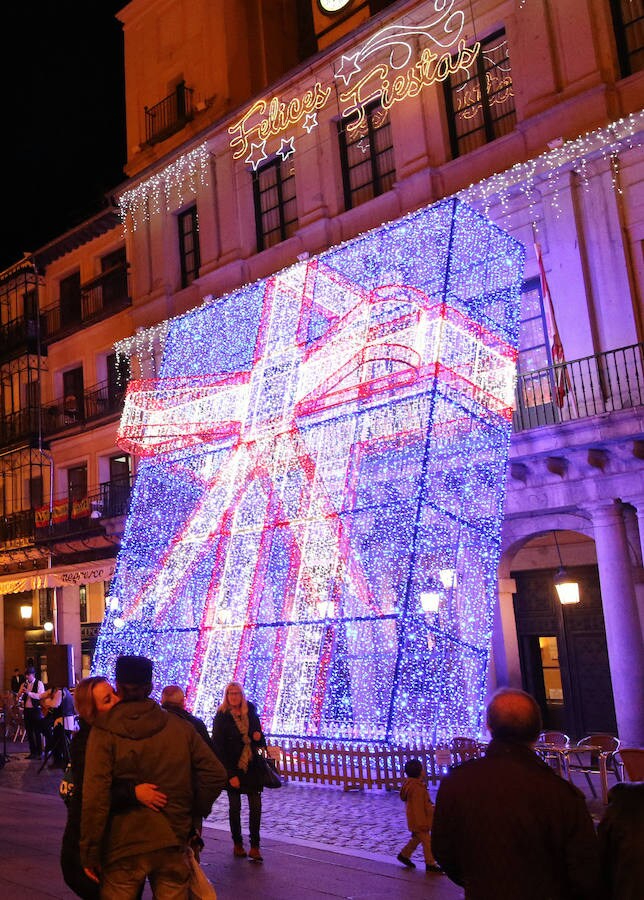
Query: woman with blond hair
{"type": "Point", "coordinates": [236, 736]}
{"type": "Point", "coordinates": [94, 697]}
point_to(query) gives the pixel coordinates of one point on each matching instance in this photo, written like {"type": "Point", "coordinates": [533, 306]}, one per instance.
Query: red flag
{"type": "Point", "coordinates": [562, 379]}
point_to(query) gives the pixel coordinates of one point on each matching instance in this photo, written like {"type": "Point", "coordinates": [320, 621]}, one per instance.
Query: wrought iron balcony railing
{"type": "Point", "coordinates": [99, 298]}
{"type": "Point", "coordinates": [19, 427]}
{"type": "Point", "coordinates": [17, 529]}
{"type": "Point", "coordinates": [68, 516]}
{"type": "Point", "coordinates": [17, 336]}
{"type": "Point", "coordinates": [168, 115]}
{"type": "Point", "coordinates": [77, 409]}
{"type": "Point", "coordinates": [585, 387]}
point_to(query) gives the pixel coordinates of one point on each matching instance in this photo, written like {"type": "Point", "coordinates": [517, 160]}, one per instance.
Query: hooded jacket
{"type": "Point", "coordinates": [418, 806]}
{"type": "Point", "coordinates": [138, 741]}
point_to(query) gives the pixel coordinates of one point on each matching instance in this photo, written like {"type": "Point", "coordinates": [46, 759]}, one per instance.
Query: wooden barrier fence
{"type": "Point", "coordinates": [354, 766]}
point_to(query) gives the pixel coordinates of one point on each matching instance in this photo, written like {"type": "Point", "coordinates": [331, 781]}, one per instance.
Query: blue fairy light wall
{"type": "Point", "coordinates": [318, 503]}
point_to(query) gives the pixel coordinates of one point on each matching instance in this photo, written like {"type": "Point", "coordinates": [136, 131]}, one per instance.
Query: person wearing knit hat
{"type": "Point", "coordinates": [134, 670]}
{"type": "Point", "coordinates": [139, 740]}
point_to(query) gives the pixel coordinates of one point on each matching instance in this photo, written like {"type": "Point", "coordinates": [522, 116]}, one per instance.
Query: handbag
{"type": "Point", "coordinates": [269, 776]}
{"type": "Point", "coordinates": [66, 786]}
{"type": "Point", "coordinates": [199, 888]}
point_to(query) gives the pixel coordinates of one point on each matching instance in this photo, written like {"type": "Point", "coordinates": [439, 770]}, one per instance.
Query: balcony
{"type": "Point", "coordinates": [17, 529]}
{"type": "Point", "coordinates": [70, 518]}
{"type": "Point", "coordinates": [591, 386]}
{"type": "Point", "coordinates": [19, 427]}
{"type": "Point", "coordinates": [17, 337]}
{"type": "Point", "coordinates": [99, 298]}
{"type": "Point", "coordinates": [169, 115]}
{"type": "Point", "coordinates": [76, 410]}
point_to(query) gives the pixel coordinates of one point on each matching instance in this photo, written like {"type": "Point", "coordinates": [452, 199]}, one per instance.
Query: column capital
{"type": "Point", "coordinates": [607, 513]}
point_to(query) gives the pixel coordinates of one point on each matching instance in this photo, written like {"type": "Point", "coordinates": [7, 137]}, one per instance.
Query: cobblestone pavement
{"type": "Point", "coordinates": [370, 822]}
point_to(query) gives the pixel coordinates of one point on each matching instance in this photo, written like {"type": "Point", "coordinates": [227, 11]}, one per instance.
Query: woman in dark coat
{"type": "Point", "coordinates": [93, 697]}
{"type": "Point", "coordinates": [236, 736]}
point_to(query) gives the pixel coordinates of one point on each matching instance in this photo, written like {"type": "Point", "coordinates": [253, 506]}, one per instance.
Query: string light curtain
{"type": "Point", "coordinates": [322, 450]}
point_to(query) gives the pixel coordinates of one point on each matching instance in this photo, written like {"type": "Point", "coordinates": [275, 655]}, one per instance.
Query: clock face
{"type": "Point", "coordinates": [332, 6]}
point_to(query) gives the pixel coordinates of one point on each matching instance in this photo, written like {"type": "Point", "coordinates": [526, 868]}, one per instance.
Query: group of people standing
{"type": "Point", "coordinates": [132, 759]}
{"type": "Point", "coordinates": [48, 715]}
{"type": "Point", "coordinates": [144, 776]}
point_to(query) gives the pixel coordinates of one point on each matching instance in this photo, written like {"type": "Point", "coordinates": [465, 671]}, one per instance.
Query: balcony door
{"type": "Point", "coordinates": [563, 652]}
{"type": "Point", "coordinates": [70, 300]}
{"type": "Point", "coordinates": [73, 397]}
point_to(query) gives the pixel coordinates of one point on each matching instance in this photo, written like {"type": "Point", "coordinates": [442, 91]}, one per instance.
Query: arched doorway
{"type": "Point", "coordinates": [562, 649]}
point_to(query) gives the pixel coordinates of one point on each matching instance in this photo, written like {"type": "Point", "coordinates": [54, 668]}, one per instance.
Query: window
{"type": "Point", "coordinates": [82, 597]}
{"type": "Point", "coordinates": [275, 203]}
{"type": "Point", "coordinates": [73, 396]}
{"type": "Point", "coordinates": [628, 21]}
{"type": "Point", "coordinates": [114, 282]}
{"type": "Point", "coordinates": [70, 299]}
{"type": "Point", "coordinates": [189, 245]}
{"type": "Point", "coordinates": [77, 482]}
{"type": "Point", "coordinates": [367, 156]}
{"type": "Point", "coordinates": [118, 375]}
{"type": "Point", "coordinates": [533, 342]}
{"type": "Point", "coordinates": [535, 383]}
{"type": "Point", "coordinates": [480, 102]}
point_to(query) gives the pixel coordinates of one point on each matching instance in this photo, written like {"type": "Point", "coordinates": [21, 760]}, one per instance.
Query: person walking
{"type": "Point", "coordinates": [139, 741]}
{"type": "Point", "coordinates": [93, 698]}
{"type": "Point", "coordinates": [420, 815]}
{"type": "Point", "coordinates": [506, 826]}
{"type": "Point", "coordinates": [236, 736]}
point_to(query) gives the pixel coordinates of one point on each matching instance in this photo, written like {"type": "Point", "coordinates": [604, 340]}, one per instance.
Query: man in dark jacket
{"type": "Point", "coordinates": [506, 827]}
{"type": "Point", "coordinates": [139, 741]}
{"type": "Point", "coordinates": [173, 700]}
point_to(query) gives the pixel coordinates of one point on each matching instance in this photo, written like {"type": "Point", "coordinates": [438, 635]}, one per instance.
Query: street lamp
{"type": "Point", "coordinates": [567, 588]}
{"type": "Point", "coordinates": [26, 611]}
{"type": "Point", "coordinates": [48, 626]}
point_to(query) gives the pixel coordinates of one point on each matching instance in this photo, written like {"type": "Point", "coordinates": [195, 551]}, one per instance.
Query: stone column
{"type": "Point", "coordinates": [505, 647]}
{"type": "Point", "coordinates": [623, 634]}
{"type": "Point", "coordinates": [69, 630]}
{"type": "Point", "coordinates": [638, 503]}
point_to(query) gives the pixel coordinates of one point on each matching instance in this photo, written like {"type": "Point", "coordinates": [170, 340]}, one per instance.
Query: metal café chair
{"type": "Point", "coordinates": [632, 760]}
{"type": "Point", "coordinates": [464, 748]}
{"type": "Point", "coordinates": [595, 755]}
{"type": "Point", "coordinates": [551, 746]}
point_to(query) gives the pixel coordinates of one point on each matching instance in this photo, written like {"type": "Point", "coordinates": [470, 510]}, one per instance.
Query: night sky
{"type": "Point", "coordinates": [63, 117]}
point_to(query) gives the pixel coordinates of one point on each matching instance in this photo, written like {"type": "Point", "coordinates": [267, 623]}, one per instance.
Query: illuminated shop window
{"type": "Point", "coordinates": [189, 245]}
{"type": "Point", "coordinates": [275, 202]}
{"type": "Point", "coordinates": [480, 102]}
{"type": "Point", "coordinates": [628, 21]}
{"type": "Point", "coordinates": [367, 156]}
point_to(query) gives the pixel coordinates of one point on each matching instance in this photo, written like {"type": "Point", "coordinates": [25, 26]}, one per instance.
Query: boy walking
{"type": "Point", "coordinates": [420, 815]}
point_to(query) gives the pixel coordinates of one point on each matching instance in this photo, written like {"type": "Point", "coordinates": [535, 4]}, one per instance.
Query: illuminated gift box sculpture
{"type": "Point", "coordinates": [317, 511]}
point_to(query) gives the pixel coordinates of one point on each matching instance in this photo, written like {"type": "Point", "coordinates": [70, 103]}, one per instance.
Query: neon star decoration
{"type": "Point", "coordinates": [257, 154]}
{"type": "Point", "coordinates": [322, 452]}
{"type": "Point", "coordinates": [310, 122]}
{"type": "Point", "coordinates": [286, 148]}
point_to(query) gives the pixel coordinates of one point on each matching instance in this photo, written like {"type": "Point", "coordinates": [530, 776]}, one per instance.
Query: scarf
{"type": "Point", "coordinates": [241, 721]}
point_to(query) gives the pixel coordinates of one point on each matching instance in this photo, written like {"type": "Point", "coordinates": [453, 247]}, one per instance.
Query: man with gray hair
{"type": "Point", "coordinates": [506, 827]}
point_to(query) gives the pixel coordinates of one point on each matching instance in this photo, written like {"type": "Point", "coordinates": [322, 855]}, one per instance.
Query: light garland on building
{"type": "Point", "coordinates": [320, 451]}
{"type": "Point", "coordinates": [526, 178]}
{"type": "Point", "coordinates": [185, 175]}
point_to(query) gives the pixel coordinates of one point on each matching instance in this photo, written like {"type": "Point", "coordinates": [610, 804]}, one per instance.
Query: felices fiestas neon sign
{"type": "Point", "coordinates": [415, 57]}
